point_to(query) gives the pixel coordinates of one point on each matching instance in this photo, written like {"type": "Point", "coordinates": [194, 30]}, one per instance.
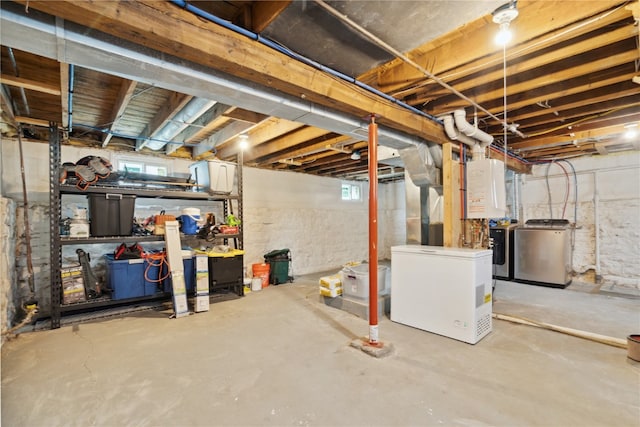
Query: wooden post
{"type": "Point", "coordinates": [452, 194]}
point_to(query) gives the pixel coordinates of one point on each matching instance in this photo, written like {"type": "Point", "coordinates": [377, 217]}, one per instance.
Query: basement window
{"type": "Point", "coordinates": [138, 166]}
{"type": "Point", "coordinates": [351, 192]}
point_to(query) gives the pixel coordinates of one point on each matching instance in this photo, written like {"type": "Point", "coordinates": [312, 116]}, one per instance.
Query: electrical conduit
{"type": "Point", "coordinates": [269, 43]}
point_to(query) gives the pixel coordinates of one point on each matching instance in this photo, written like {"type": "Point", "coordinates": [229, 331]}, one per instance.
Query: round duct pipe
{"type": "Point", "coordinates": [194, 109]}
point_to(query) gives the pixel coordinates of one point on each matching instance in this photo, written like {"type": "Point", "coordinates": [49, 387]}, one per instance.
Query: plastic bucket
{"type": "Point", "coordinates": [261, 271]}
{"type": "Point", "coordinates": [256, 283]}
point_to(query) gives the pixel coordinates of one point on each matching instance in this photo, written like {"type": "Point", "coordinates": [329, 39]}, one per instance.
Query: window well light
{"type": "Point", "coordinates": [503, 17]}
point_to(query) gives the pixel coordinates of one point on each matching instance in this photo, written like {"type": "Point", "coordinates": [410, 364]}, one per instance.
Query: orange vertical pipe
{"type": "Point", "coordinates": [373, 231]}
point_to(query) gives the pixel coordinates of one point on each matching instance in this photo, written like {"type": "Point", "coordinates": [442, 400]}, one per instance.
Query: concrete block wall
{"type": "Point", "coordinates": [607, 236]}
{"type": "Point", "coordinates": [281, 210]}
{"type": "Point", "coordinates": [7, 263]}
{"type": "Point", "coordinates": [306, 214]}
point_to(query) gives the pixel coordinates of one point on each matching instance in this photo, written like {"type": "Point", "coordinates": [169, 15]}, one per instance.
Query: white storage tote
{"type": "Point", "coordinates": [215, 175]}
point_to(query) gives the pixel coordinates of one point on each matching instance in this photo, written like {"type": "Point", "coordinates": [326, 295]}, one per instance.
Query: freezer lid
{"type": "Point", "coordinates": [442, 251]}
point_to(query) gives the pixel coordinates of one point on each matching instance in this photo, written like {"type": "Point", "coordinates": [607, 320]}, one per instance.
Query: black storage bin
{"type": "Point", "coordinates": [225, 271]}
{"type": "Point", "coordinates": [111, 214]}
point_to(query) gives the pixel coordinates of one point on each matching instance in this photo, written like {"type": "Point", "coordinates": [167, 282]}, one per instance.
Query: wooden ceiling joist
{"type": "Point", "coordinates": [127, 89]}
{"type": "Point", "coordinates": [176, 103]}
{"type": "Point", "coordinates": [208, 44]}
{"type": "Point", "coordinates": [264, 12]}
{"type": "Point", "coordinates": [30, 84]}
{"type": "Point", "coordinates": [271, 129]}
{"type": "Point", "coordinates": [455, 50]}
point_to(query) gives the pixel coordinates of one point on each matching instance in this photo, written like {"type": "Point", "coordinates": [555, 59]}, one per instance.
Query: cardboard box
{"type": "Point", "coordinates": [72, 285]}
{"type": "Point", "coordinates": [332, 293]}
{"type": "Point", "coordinates": [331, 282]}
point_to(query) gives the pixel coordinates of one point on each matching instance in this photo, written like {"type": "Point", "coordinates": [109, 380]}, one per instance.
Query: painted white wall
{"type": "Point", "coordinates": [300, 212]}
{"type": "Point", "coordinates": [607, 185]}
{"type": "Point", "coordinates": [306, 214]}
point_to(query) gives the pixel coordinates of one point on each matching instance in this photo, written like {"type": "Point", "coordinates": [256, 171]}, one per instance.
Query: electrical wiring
{"type": "Point", "coordinates": [567, 189]}
{"type": "Point", "coordinates": [575, 190]}
{"type": "Point", "coordinates": [546, 179]}
{"type": "Point", "coordinates": [575, 203]}
{"type": "Point", "coordinates": [515, 53]}
{"type": "Point", "coordinates": [566, 193]}
{"type": "Point", "coordinates": [584, 119]}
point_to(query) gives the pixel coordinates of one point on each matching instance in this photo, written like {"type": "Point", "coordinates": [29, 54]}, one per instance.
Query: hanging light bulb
{"type": "Point", "coordinates": [504, 35]}
{"type": "Point", "coordinates": [356, 155]}
{"type": "Point", "coordinates": [631, 131]}
{"type": "Point", "coordinates": [503, 17]}
{"type": "Point", "coordinates": [244, 141]}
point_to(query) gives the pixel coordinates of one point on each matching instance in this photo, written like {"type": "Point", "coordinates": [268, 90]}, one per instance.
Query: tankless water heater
{"type": "Point", "coordinates": [486, 193]}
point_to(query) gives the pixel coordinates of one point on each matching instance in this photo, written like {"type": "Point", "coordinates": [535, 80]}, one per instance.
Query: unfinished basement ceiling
{"type": "Point", "coordinates": [570, 70]}
{"type": "Point", "coordinates": [311, 31]}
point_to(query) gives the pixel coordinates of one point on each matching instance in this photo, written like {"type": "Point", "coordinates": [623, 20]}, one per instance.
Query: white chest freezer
{"type": "Point", "coordinates": [446, 291]}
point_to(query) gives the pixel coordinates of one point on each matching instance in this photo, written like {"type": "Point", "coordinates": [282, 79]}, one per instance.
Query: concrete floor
{"type": "Point", "coordinates": [280, 357]}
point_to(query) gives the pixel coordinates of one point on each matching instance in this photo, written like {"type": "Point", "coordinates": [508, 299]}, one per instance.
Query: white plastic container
{"type": "Point", "coordinates": [355, 281]}
{"type": "Point", "coordinates": [256, 284]}
{"type": "Point", "coordinates": [216, 176]}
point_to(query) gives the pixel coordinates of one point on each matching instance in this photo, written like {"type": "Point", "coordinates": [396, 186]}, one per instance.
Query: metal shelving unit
{"type": "Point", "coordinates": [56, 190]}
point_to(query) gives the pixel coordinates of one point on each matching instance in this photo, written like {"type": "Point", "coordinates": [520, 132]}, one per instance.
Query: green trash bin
{"type": "Point", "coordinates": [279, 266]}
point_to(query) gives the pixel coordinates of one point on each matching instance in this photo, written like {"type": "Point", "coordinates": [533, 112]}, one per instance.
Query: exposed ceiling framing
{"type": "Point", "coordinates": [120, 74]}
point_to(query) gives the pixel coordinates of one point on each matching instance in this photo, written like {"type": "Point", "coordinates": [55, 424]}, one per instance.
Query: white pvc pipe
{"type": "Point", "coordinates": [460, 117]}
{"type": "Point", "coordinates": [454, 135]}
{"type": "Point", "coordinates": [477, 149]}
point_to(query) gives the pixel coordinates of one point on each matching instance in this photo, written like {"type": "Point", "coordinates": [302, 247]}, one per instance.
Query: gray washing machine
{"type": "Point", "coordinates": [542, 253]}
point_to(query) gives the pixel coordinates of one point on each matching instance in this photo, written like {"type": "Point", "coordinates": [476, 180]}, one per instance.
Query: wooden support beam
{"type": "Point", "coordinates": [597, 96]}
{"type": "Point", "coordinates": [280, 144]}
{"type": "Point", "coordinates": [316, 151]}
{"type": "Point", "coordinates": [587, 130]}
{"type": "Point", "coordinates": [604, 106]}
{"type": "Point", "coordinates": [194, 39]}
{"type": "Point", "coordinates": [272, 128]}
{"type": "Point", "coordinates": [30, 84]}
{"type": "Point", "coordinates": [522, 88]}
{"type": "Point", "coordinates": [177, 102]}
{"type": "Point", "coordinates": [264, 12]}
{"type": "Point", "coordinates": [547, 58]}
{"type": "Point", "coordinates": [451, 193]}
{"type": "Point", "coordinates": [557, 90]}
{"type": "Point", "coordinates": [245, 115]}
{"type": "Point", "coordinates": [125, 94]}
{"type": "Point", "coordinates": [32, 121]}
{"type": "Point", "coordinates": [210, 121]}
{"type": "Point", "coordinates": [536, 18]}
{"type": "Point", "coordinates": [64, 95]}
{"type": "Point", "coordinates": [226, 134]}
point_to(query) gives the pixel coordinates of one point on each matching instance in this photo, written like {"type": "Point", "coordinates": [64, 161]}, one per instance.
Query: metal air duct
{"type": "Point", "coordinates": [420, 165]}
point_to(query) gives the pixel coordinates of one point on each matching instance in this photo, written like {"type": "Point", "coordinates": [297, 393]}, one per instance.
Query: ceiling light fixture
{"type": "Point", "coordinates": [356, 155]}
{"type": "Point", "coordinates": [631, 130]}
{"type": "Point", "coordinates": [503, 17]}
{"type": "Point", "coordinates": [244, 141]}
